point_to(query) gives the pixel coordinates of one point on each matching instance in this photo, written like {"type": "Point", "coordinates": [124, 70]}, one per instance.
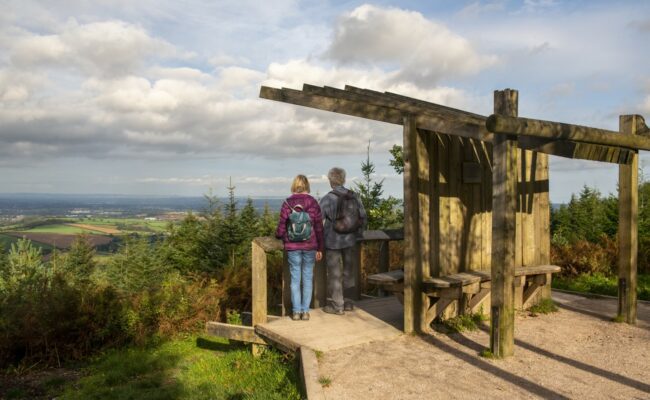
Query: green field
{"type": "Point", "coordinates": [127, 224]}
{"type": "Point", "coordinates": [60, 229]}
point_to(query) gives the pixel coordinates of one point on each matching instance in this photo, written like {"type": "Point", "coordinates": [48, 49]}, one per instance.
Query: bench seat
{"type": "Point", "coordinates": [469, 288]}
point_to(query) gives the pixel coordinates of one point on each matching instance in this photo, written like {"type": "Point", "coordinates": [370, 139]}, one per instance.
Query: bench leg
{"type": "Point", "coordinates": [438, 306]}
{"type": "Point", "coordinates": [533, 288]}
{"type": "Point", "coordinates": [476, 300]}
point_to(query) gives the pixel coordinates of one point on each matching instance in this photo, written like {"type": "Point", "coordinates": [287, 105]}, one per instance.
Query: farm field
{"type": "Point", "coordinates": [58, 240]}
{"type": "Point", "coordinates": [61, 233]}
{"type": "Point", "coordinates": [64, 229]}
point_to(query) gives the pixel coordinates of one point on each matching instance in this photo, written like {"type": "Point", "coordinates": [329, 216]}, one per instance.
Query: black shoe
{"type": "Point", "coordinates": [295, 316]}
{"type": "Point", "coordinates": [304, 316]}
{"type": "Point", "coordinates": [332, 310]}
{"type": "Point", "coordinates": [348, 306]}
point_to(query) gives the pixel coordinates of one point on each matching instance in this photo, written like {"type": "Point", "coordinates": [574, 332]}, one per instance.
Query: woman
{"type": "Point", "coordinates": [302, 251]}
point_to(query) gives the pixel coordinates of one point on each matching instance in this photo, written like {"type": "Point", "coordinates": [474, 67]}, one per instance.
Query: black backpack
{"type": "Point", "coordinates": [348, 215]}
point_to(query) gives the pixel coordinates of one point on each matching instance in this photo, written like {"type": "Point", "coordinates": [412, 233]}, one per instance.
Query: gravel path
{"type": "Point", "coordinates": [575, 353]}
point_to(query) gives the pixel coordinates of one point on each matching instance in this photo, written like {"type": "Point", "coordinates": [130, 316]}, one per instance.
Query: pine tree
{"type": "Point", "coordinates": [192, 246]}
{"type": "Point", "coordinates": [231, 234]}
{"type": "Point", "coordinates": [249, 221]}
{"type": "Point", "coordinates": [80, 260]}
{"type": "Point", "coordinates": [24, 263]}
{"type": "Point", "coordinates": [268, 222]}
{"type": "Point", "coordinates": [382, 213]}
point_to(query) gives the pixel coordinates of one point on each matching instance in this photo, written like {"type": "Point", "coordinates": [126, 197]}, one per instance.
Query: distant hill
{"type": "Point", "coordinates": [66, 204]}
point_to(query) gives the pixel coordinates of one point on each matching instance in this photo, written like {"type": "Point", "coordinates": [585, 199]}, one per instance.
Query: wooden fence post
{"type": "Point", "coordinates": [504, 215]}
{"type": "Point", "coordinates": [320, 284]}
{"type": "Point", "coordinates": [258, 267]}
{"type": "Point", "coordinates": [627, 226]}
{"type": "Point", "coordinates": [384, 261]}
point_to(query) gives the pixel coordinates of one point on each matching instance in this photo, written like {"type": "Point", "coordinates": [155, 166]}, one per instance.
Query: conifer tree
{"type": "Point", "coordinates": [382, 213]}
{"type": "Point", "coordinates": [268, 222]}
{"type": "Point", "coordinates": [80, 261]}
{"type": "Point", "coordinates": [231, 234]}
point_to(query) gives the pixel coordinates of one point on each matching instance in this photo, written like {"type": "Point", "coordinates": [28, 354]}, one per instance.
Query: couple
{"type": "Point", "coordinates": [337, 235]}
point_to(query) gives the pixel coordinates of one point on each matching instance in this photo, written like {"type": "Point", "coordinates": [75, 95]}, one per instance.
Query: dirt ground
{"type": "Point", "coordinates": [575, 353]}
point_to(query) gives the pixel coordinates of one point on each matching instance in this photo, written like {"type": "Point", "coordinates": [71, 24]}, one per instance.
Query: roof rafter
{"type": "Point", "coordinates": [391, 108]}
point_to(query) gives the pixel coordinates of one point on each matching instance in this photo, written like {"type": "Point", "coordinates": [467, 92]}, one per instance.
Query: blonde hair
{"type": "Point", "coordinates": [336, 176]}
{"type": "Point", "coordinates": [300, 184]}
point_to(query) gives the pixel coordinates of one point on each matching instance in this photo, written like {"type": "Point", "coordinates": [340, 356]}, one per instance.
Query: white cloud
{"type": "Point", "coordinates": [418, 50]}
{"type": "Point", "coordinates": [477, 8]}
{"type": "Point", "coordinates": [108, 48]}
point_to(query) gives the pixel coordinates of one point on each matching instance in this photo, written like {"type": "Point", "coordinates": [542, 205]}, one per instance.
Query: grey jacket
{"type": "Point", "coordinates": [333, 239]}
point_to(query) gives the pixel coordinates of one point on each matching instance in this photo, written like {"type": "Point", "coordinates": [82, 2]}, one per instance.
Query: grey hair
{"type": "Point", "coordinates": [336, 177]}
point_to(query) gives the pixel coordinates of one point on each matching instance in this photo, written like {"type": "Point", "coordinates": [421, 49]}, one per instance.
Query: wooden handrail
{"type": "Point", "coordinates": [260, 246]}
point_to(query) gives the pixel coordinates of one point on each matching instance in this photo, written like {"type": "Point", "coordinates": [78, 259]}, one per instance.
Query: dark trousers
{"type": "Point", "coordinates": [340, 276]}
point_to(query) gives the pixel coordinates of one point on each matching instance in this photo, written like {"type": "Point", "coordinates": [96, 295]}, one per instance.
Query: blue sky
{"type": "Point", "coordinates": [161, 97]}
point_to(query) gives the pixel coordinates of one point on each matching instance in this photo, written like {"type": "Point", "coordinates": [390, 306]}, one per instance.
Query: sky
{"type": "Point", "coordinates": [161, 97]}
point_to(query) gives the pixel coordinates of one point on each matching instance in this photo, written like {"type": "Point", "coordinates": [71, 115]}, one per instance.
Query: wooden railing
{"type": "Point", "coordinates": [261, 246]}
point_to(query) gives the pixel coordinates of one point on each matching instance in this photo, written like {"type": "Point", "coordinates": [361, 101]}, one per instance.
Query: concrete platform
{"type": "Point", "coordinates": [372, 320]}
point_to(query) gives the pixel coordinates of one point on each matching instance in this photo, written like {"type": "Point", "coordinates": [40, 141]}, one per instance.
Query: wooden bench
{"type": "Point", "coordinates": [391, 281]}
{"type": "Point", "coordinates": [469, 288]}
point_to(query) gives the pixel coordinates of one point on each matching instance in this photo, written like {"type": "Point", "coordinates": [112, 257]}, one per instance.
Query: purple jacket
{"type": "Point", "coordinates": [310, 205]}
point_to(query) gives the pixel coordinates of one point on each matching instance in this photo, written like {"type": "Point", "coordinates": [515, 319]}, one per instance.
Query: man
{"type": "Point", "coordinates": [340, 241]}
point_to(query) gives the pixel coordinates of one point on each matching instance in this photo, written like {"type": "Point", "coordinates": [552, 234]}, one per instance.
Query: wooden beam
{"type": "Point", "coordinates": [258, 276]}
{"type": "Point", "coordinates": [434, 118]}
{"type": "Point", "coordinates": [341, 106]}
{"type": "Point", "coordinates": [345, 105]}
{"type": "Point", "coordinates": [555, 130]}
{"type": "Point", "coordinates": [504, 211]}
{"type": "Point", "coordinates": [419, 106]}
{"type": "Point", "coordinates": [268, 243]}
{"type": "Point", "coordinates": [576, 150]}
{"type": "Point", "coordinates": [281, 342]}
{"type": "Point", "coordinates": [627, 226]}
{"type": "Point", "coordinates": [412, 287]}
{"type": "Point", "coordinates": [234, 332]}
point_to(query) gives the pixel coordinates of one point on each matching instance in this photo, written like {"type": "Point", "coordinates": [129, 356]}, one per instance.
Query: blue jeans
{"type": "Point", "coordinates": [301, 264]}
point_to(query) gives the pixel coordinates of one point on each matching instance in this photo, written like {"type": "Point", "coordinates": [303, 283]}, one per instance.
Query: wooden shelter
{"type": "Point", "coordinates": [476, 200]}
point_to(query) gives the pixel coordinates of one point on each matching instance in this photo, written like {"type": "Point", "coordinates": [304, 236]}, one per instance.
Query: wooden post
{"type": "Point", "coordinates": [286, 286]}
{"type": "Point", "coordinates": [356, 293]}
{"type": "Point", "coordinates": [411, 224]}
{"type": "Point", "coordinates": [504, 215]}
{"type": "Point", "coordinates": [627, 226]}
{"type": "Point", "coordinates": [258, 267]}
{"type": "Point", "coordinates": [319, 298]}
{"type": "Point", "coordinates": [384, 261]}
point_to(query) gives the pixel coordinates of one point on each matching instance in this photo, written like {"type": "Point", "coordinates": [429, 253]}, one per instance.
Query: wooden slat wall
{"type": "Point", "coordinates": [460, 213]}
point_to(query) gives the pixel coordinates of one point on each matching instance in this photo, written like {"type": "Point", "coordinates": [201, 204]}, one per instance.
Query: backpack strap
{"type": "Point", "coordinates": [294, 208]}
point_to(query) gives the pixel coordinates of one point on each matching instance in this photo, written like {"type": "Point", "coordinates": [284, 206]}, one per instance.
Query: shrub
{"type": "Point", "coordinates": [586, 257]}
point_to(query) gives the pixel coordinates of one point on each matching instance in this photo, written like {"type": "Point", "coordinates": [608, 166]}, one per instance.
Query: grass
{"type": "Point", "coordinates": [463, 323]}
{"type": "Point", "coordinates": [487, 353]}
{"type": "Point", "coordinates": [324, 381]}
{"type": "Point", "coordinates": [545, 306]}
{"type": "Point", "coordinates": [189, 368]}
{"type": "Point", "coordinates": [619, 319]}
{"type": "Point", "coordinates": [601, 284]}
